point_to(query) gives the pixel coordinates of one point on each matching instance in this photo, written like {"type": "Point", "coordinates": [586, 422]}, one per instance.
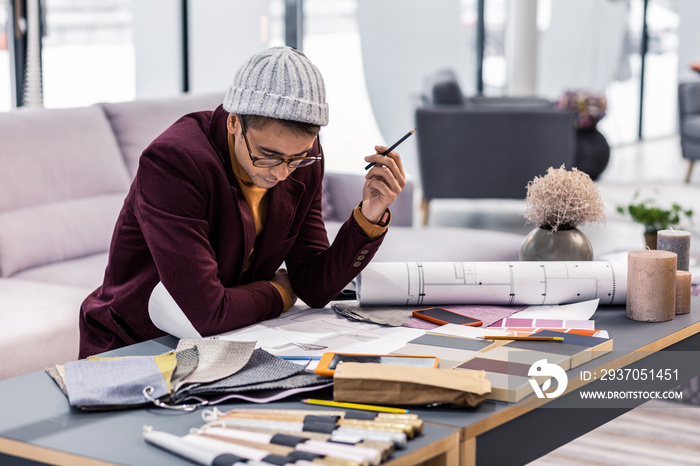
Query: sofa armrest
{"type": "Point", "coordinates": [343, 191]}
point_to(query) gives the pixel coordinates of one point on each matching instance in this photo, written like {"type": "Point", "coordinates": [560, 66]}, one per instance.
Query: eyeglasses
{"type": "Point", "coordinates": [269, 162]}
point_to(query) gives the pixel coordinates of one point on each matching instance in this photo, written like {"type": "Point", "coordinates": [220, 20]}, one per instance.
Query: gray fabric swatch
{"type": "Point", "coordinates": [262, 367]}
{"type": "Point", "coordinates": [392, 316]}
{"type": "Point", "coordinates": [218, 359]}
{"type": "Point", "coordinates": [272, 391]}
{"type": "Point", "coordinates": [56, 376]}
{"type": "Point", "coordinates": [116, 382]}
{"type": "Point", "coordinates": [187, 362]}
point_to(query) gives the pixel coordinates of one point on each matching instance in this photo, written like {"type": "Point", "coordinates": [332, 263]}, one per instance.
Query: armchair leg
{"type": "Point", "coordinates": [690, 169]}
{"type": "Point", "coordinates": [425, 208]}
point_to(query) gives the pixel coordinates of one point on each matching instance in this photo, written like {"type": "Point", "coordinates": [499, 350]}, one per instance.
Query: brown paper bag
{"type": "Point", "coordinates": [404, 385]}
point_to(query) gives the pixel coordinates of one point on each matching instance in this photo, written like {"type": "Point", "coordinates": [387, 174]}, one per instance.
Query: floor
{"type": "Point", "coordinates": [658, 433]}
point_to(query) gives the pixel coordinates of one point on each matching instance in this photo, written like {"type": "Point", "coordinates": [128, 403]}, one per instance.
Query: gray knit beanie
{"type": "Point", "coordinates": [279, 82]}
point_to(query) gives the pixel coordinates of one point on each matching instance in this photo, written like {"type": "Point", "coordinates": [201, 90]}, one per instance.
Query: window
{"type": "Point", "coordinates": [88, 52]}
{"type": "Point", "coordinates": [5, 68]}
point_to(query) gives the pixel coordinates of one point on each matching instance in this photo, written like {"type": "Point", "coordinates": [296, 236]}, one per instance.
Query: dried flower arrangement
{"type": "Point", "coordinates": [563, 200]}
{"type": "Point", "coordinates": [588, 107]}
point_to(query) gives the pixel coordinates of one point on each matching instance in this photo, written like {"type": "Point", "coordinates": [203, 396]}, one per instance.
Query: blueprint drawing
{"type": "Point", "coordinates": [503, 283]}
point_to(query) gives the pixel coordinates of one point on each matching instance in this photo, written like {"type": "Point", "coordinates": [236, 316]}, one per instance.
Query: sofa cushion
{"type": "Point", "coordinates": [139, 122]}
{"type": "Point", "coordinates": [56, 155]}
{"type": "Point", "coordinates": [38, 325]}
{"type": "Point", "coordinates": [690, 126]}
{"type": "Point", "coordinates": [50, 233]}
{"type": "Point", "coordinates": [87, 272]}
{"type": "Point", "coordinates": [440, 244]}
{"type": "Point", "coordinates": [343, 191]}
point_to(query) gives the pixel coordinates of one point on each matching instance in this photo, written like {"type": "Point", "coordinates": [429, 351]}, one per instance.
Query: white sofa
{"type": "Point", "coordinates": [63, 176]}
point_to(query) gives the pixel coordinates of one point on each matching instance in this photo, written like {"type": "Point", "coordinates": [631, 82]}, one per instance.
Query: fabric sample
{"type": "Point", "coordinates": [166, 363]}
{"type": "Point", "coordinates": [266, 392]}
{"type": "Point", "coordinates": [218, 359]}
{"type": "Point", "coordinates": [114, 382]}
{"type": "Point", "coordinates": [187, 362]}
{"type": "Point", "coordinates": [392, 316]}
{"type": "Point", "coordinates": [261, 368]}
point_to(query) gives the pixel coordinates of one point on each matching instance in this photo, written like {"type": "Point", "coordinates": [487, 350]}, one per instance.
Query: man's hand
{"type": "Point", "coordinates": [281, 278]}
{"type": "Point", "coordinates": [385, 180]}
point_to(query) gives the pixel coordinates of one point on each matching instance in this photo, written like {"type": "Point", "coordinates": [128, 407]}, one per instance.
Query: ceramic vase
{"type": "Point", "coordinates": [592, 151]}
{"type": "Point", "coordinates": [650, 240]}
{"type": "Point", "coordinates": [563, 245]}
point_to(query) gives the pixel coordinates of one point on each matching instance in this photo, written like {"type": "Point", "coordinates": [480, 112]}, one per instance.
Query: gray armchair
{"type": "Point", "coordinates": [689, 108]}
{"type": "Point", "coordinates": [488, 147]}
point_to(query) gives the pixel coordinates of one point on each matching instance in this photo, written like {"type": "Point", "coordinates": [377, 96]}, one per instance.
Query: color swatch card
{"type": "Point", "coordinates": [580, 348]}
{"type": "Point", "coordinates": [577, 355]}
{"type": "Point", "coordinates": [550, 323]}
{"type": "Point", "coordinates": [526, 331]}
{"type": "Point", "coordinates": [444, 341]}
{"type": "Point", "coordinates": [507, 365]}
{"type": "Point", "coordinates": [464, 331]}
{"type": "Point", "coordinates": [450, 351]}
{"type": "Point", "coordinates": [509, 381]}
{"type": "Point", "coordinates": [526, 356]}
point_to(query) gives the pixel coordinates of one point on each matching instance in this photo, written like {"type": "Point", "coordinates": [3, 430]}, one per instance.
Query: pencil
{"type": "Point", "coordinates": [396, 144]}
{"type": "Point", "coordinates": [508, 337]}
{"type": "Point", "coordinates": [338, 404]}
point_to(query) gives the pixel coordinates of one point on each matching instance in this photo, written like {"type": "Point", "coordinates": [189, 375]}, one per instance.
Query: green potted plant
{"type": "Point", "coordinates": [654, 217]}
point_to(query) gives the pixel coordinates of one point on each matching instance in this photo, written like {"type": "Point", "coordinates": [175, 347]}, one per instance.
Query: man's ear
{"type": "Point", "coordinates": [232, 123]}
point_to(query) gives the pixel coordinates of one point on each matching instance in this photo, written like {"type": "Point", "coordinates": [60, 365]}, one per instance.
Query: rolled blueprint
{"type": "Point", "coordinates": [501, 283]}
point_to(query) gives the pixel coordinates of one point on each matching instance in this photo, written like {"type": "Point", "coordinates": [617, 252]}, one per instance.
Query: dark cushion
{"type": "Point", "coordinates": [443, 89]}
{"type": "Point", "coordinates": [447, 93]}
{"type": "Point", "coordinates": [689, 97]}
{"type": "Point", "coordinates": [690, 126]}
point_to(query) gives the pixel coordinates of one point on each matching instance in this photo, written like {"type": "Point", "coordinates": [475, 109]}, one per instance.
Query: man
{"type": "Point", "coordinates": [220, 201]}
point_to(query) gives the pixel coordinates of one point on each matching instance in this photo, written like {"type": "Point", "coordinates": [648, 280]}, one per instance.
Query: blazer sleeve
{"type": "Point", "coordinates": [171, 207]}
{"type": "Point", "coordinates": [320, 272]}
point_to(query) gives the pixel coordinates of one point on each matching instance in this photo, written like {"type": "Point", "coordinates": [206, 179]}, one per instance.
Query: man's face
{"type": "Point", "coordinates": [270, 140]}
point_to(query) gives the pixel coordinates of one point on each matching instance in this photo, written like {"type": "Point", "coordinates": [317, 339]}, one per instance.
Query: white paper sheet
{"type": "Point", "coordinates": [463, 331]}
{"type": "Point", "coordinates": [576, 311]}
{"type": "Point", "coordinates": [503, 283]}
{"type": "Point", "coordinates": [312, 332]}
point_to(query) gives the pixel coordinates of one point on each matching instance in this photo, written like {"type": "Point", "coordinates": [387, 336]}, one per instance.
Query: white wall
{"type": "Point", "coordinates": [522, 38]}
{"type": "Point", "coordinates": [582, 47]}
{"type": "Point", "coordinates": [222, 34]}
{"type": "Point", "coordinates": [401, 46]}
{"type": "Point", "coordinates": [157, 48]}
{"type": "Point", "coordinates": [689, 38]}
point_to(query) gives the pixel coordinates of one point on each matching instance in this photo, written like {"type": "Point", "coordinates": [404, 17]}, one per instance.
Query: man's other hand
{"type": "Point", "coordinates": [281, 278]}
{"type": "Point", "coordinates": [384, 182]}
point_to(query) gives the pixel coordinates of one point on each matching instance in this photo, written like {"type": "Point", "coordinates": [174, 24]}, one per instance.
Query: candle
{"type": "Point", "coordinates": [675, 241]}
{"type": "Point", "coordinates": [651, 285]}
{"type": "Point", "coordinates": [683, 281]}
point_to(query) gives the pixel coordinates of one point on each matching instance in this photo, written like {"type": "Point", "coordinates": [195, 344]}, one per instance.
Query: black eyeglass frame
{"type": "Point", "coordinates": [280, 160]}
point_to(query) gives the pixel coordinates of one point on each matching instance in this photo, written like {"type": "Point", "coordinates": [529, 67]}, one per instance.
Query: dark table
{"type": "Point", "coordinates": [37, 425]}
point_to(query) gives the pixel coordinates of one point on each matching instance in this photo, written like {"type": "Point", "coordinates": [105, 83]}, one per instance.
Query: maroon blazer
{"type": "Point", "coordinates": [185, 223]}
